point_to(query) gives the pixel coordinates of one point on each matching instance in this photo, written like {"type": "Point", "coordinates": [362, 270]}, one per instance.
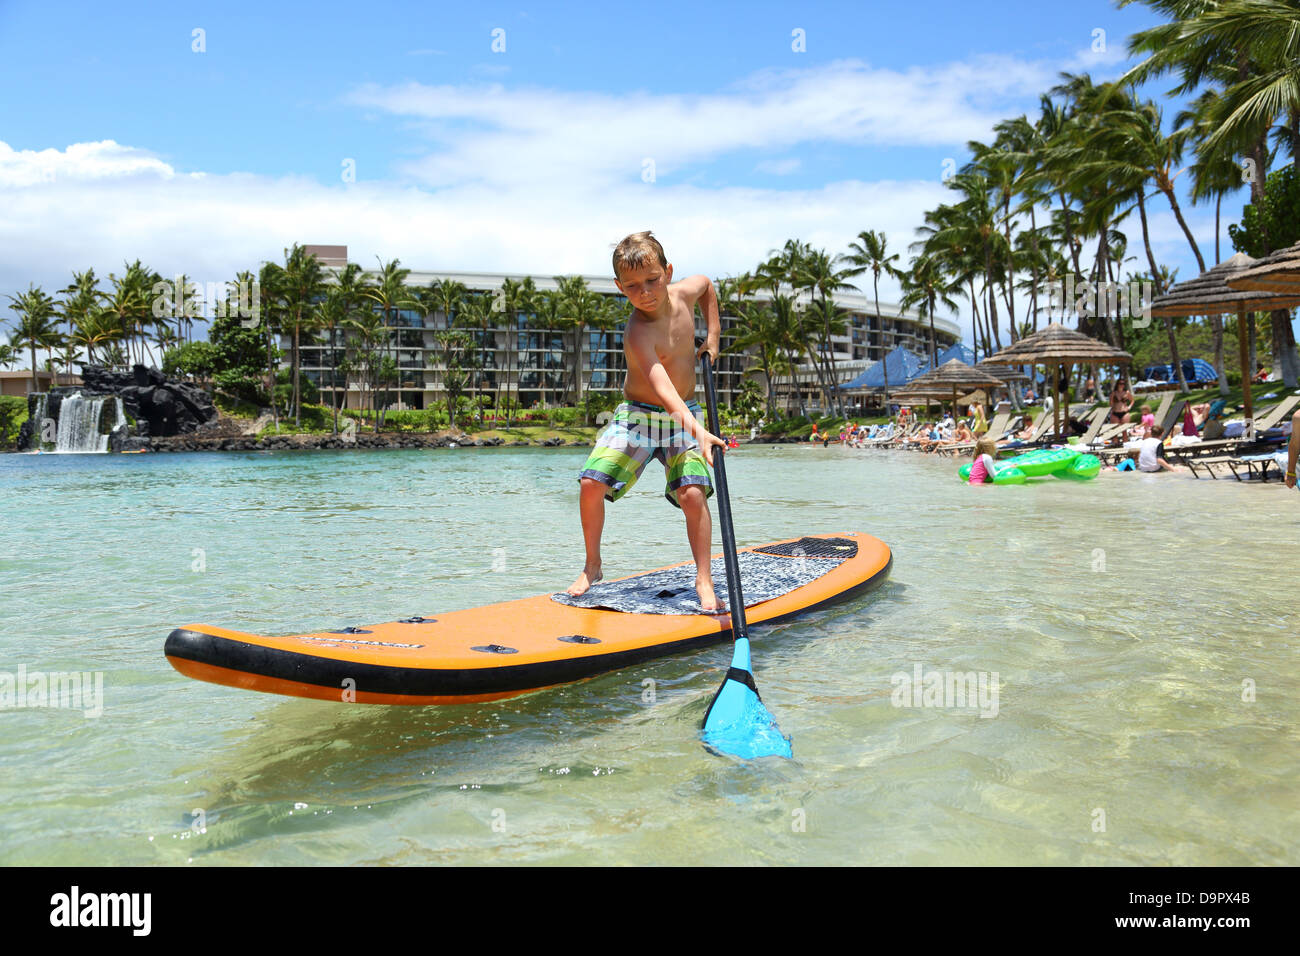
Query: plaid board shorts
{"type": "Point", "coordinates": [637, 433]}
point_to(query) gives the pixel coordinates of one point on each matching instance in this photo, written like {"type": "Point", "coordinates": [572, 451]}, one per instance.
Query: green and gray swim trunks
{"type": "Point", "coordinates": [637, 433]}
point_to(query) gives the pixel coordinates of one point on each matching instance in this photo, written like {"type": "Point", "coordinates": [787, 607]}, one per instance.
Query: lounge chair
{"type": "Point", "coordinates": [1095, 423]}
{"type": "Point", "coordinates": [996, 428]}
{"type": "Point", "coordinates": [1270, 420]}
{"type": "Point", "coordinates": [1039, 426]}
{"type": "Point", "coordinates": [1254, 467]}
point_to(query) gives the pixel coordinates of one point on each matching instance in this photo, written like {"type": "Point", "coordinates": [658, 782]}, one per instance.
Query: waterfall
{"type": "Point", "coordinates": [81, 422]}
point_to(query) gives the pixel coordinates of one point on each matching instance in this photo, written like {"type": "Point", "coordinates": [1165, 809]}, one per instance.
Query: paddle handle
{"type": "Point", "coordinates": [739, 628]}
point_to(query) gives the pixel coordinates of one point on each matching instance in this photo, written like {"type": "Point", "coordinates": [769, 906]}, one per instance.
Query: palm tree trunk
{"type": "Point", "coordinates": [297, 407]}
{"type": "Point", "coordinates": [1284, 347]}
{"type": "Point", "coordinates": [884, 364]}
{"type": "Point", "coordinates": [1178, 214]}
{"type": "Point", "coordinates": [1251, 339]}
{"type": "Point", "coordinates": [1033, 288]}
{"type": "Point", "coordinates": [1155, 279]}
{"type": "Point", "coordinates": [1216, 326]}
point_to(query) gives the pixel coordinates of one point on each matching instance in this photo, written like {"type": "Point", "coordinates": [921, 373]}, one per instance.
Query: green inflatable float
{"type": "Point", "coordinates": [1002, 474]}
{"type": "Point", "coordinates": [1059, 462]}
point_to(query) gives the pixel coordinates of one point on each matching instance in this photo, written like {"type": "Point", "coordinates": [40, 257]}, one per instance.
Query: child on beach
{"type": "Point", "coordinates": [986, 453]}
{"type": "Point", "coordinates": [1148, 421]}
{"type": "Point", "coordinates": [660, 417]}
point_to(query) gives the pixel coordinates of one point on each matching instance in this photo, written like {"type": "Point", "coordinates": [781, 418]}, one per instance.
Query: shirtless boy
{"type": "Point", "coordinates": [660, 418]}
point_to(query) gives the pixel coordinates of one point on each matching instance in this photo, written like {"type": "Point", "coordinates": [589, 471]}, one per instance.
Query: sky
{"type": "Point", "coordinates": [206, 138]}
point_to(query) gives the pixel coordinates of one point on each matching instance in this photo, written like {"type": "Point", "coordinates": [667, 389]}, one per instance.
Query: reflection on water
{"type": "Point", "coordinates": [1136, 629]}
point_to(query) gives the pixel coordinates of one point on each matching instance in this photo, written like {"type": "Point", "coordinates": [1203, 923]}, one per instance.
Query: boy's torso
{"type": "Point", "coordinates": [673, 340]}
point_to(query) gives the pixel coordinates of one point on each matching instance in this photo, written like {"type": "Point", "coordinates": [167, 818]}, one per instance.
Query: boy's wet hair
{"type": "Point", "coordinates": [638, 251]}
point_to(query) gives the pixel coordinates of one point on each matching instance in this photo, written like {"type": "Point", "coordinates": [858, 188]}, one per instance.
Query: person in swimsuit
{"type": "Point", "coordinates": [982, 469]}
{"type": "Point", "coordinates": [658, 418]}
{"type": "Point", "coordinates": [1121, 400]}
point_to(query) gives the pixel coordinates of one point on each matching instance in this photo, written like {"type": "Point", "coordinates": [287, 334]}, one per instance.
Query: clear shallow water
{"type": "Point", "coordinates": [1121, 617]}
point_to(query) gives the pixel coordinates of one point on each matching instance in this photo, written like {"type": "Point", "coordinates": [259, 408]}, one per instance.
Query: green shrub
{"type": "Point", "coordinates": [13, 412]}
{"type": "Point", "coordinates": [242, 388]}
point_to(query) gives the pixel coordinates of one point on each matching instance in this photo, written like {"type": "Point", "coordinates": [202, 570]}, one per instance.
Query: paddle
{"type": "Point", "coordinates": [736, 723]}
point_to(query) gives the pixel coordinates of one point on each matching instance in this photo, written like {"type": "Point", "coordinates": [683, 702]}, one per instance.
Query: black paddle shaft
{"type": "Point", "coordinates": [738, 625]}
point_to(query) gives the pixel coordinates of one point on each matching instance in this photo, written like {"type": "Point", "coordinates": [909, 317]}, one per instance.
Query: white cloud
{"type": "Point", "coordinates": [493, 135]}
{"type": "Point", "coordinates": [213, 226]}
{"type": "Point", "coordinates": [81, 161]}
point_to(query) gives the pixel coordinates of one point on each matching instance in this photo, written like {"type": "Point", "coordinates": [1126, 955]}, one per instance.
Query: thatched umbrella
{"type": "Point", "coordinates": [1279, 272]}
{"type": "Point", "coordinates": [1056, 346]}
{"type": "Point", "coordinates": [949, 379]}
{"type": "Point", "coordinates": [1211, 293]}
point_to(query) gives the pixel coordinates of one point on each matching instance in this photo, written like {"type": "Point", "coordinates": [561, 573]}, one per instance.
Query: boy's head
{"type": "Point", "coordinates": [637, 251]}
{"type": "Point", "coordinates": [641, 270]}
{"type": "Point", "coordinates": [1157, 431]}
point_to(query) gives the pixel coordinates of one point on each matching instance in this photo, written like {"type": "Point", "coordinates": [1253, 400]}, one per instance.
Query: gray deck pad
{"type": "Point", "coordinates": [672, 591]}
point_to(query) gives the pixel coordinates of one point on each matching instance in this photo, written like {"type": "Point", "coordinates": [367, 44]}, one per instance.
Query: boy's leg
{"type": "Point", "coordinates": [699, 531]}
{"type": "Point", "coordinates": [592, 506]}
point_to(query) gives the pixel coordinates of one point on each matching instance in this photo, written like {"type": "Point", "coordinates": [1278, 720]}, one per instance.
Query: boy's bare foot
{"type": "Point", "coordinates": [586, 579]}
{"type": "Point", "coordinates": [708, 599]}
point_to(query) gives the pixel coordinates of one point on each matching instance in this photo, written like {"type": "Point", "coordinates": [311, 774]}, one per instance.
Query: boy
{"type": "Point", "coordinates": [660, 418]}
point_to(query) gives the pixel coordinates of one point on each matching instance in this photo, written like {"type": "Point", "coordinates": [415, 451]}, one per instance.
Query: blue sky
{"type": "Point", "coordinates": [118, 140]}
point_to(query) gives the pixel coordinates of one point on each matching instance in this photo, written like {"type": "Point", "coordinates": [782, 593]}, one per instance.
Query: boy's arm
{"type": "Point", "coordinates": [699, 289]}
{"type": "Point", "coordinates": [640, 352]}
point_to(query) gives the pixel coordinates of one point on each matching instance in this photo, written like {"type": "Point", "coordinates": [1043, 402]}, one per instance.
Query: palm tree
{"type": "Point", "coordinates": [609, 315]}
{"type": "Point", "coordinates": [998, 167]}
{"type": "Point", "coordinates": [333, 313]}
{"type": "Point", "coordinates": [1129, 150]}
{"type": "Point", "coordinates": [871, 253]}
{"type": "Point", "coordinates": [521, 298]}
{"type": "Point", "coordinates": [390, 293]}
{"type": "Point", "coordinates": [341, 305]}
{"type": "Point", "coordinates": [302, 286]}
{"type": "Point", "coordinates": [477, 314]}
{"type": "Point", "coordinates": [36, 327]}
{"type": "Point", "coordinates": [924, 287]}
{"type": "Point", "coordinates": [1214, 175]}
{"type": "Point", "coordinates": [126, 306]}
{"type": "Point", "coordinates": [80, 305]}
{"type": "Point", "coordinates": [1257, 44]}
{"type": "Point", "coordinates": [818, 271]}
{"type": "Point", "coordinates": [270, 281]}
{"type": "Point", "coordinates": [581, 307]}
{"type": "Point", "coordinates": [758, 329]}
{"type": "Point", "coordinates": [549, 317]}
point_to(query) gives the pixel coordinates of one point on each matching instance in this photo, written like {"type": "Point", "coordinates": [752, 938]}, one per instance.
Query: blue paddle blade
{"type": "Point", "coordinates": [737, 722]}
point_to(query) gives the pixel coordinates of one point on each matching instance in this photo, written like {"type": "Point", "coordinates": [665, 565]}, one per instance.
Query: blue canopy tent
{"type": "Point", "coordinates": [954, 351]}
{"type": "Point", "coordinates": [1194, 370]}
{"type": "Point", "coordinates": [902, 365]}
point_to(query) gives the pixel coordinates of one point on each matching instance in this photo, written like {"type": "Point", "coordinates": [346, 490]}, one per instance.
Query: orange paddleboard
{"type": "Point", "coordinates": [511, 648]}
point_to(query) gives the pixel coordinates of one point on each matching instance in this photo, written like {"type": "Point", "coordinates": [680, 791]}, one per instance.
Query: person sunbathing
{"type": "Point", "coordinates": [961, 436]}
{"type": "Point", "coordinates": [1024, 429]}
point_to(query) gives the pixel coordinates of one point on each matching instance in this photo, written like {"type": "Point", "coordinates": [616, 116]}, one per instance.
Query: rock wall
{"type": "Point", "coordinates": [160, 408]}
